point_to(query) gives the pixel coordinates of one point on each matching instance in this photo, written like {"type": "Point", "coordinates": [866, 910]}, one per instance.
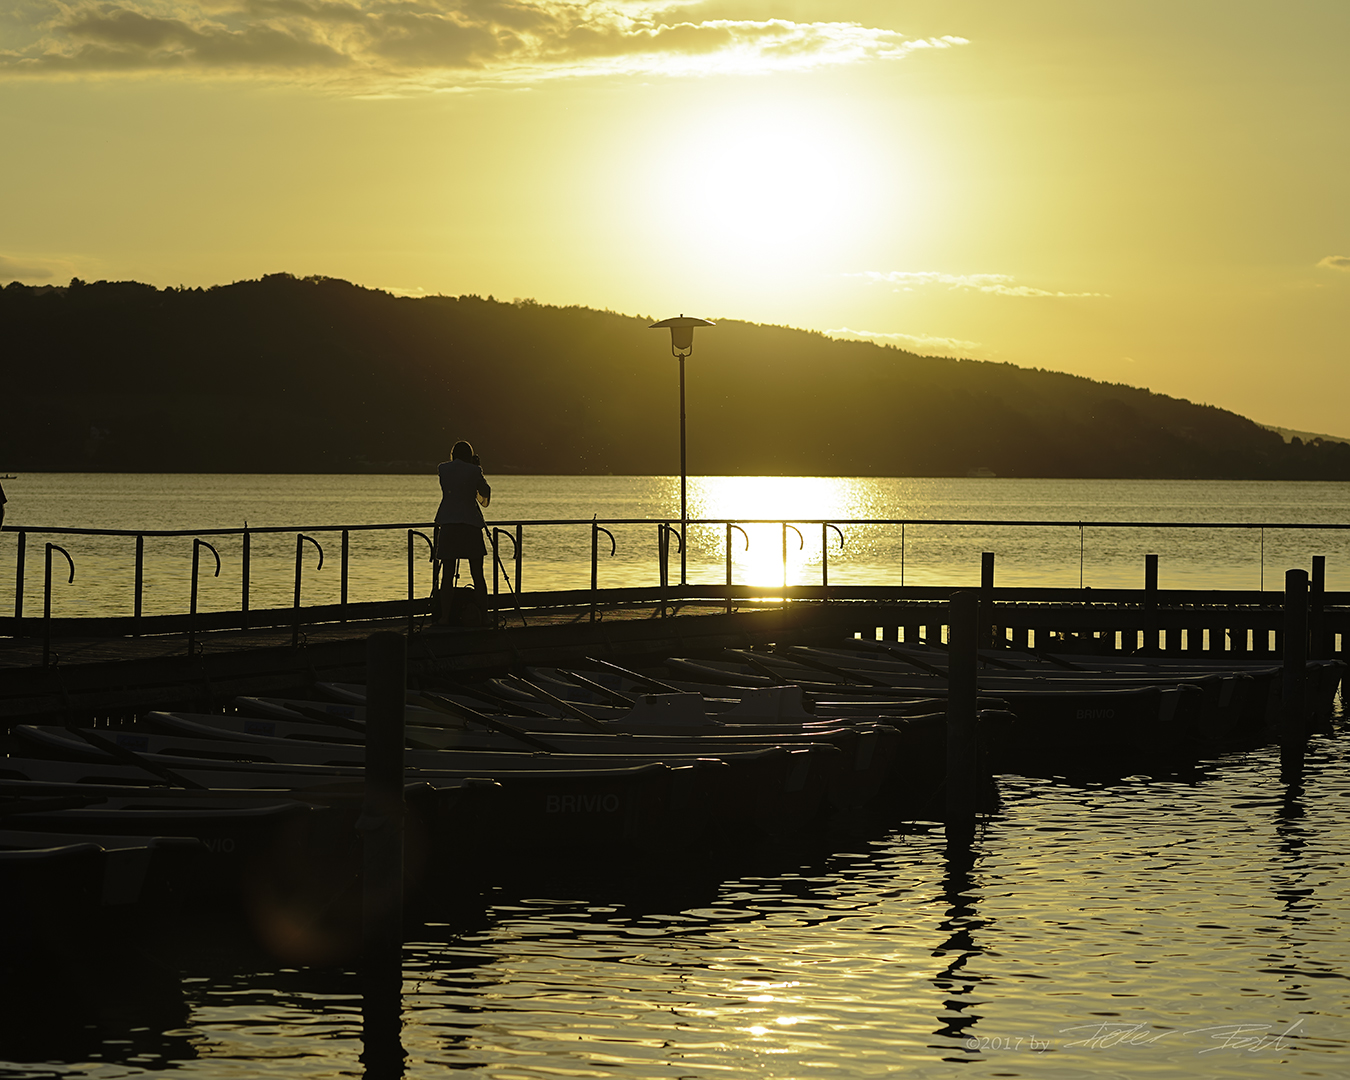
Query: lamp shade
{"type": "Point", "coordinates": [681, 331]}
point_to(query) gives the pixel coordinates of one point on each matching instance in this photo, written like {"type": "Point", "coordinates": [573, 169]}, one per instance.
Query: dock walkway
{"type": "Point", "coordinates": [94, 668]}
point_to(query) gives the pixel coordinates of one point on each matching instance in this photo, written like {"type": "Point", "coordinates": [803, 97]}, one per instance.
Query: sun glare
{"type": "Point", "coordinates": [769, 184]}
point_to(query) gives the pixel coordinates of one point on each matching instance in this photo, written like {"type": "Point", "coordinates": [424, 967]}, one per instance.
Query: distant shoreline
{"type": "Point", "coordinates": [430, 470]}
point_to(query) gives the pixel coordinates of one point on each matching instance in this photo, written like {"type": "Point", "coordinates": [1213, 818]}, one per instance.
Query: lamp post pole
{"type": "Point", "coordinates": [684, 485]}
{"type": "Point", "coordinates": [681, 345]}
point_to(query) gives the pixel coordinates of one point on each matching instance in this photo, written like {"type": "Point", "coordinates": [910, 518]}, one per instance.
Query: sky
{"type": "Point", "coordinates": [1151, 193]}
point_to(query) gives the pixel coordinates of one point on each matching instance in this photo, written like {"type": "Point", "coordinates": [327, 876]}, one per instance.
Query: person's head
{"type": "Point", "coordinates": [461, 451]}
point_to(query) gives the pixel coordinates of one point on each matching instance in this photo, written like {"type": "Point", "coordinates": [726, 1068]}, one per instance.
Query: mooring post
{"type": "Point", "coordinates": [1150, 605]}
{"type": "Point", "coordinates": [987, 599]}
{"type": "Point", "coordinates": [382, 821]}
{"type": "Point", "coordinates": [962, 663]}
{"type": "Point", "coordinates": [1318, 646]}
{"type": "Point", "coordinates": [1293, 712]}
{"type": "Point", "coordinates": [381, 828]}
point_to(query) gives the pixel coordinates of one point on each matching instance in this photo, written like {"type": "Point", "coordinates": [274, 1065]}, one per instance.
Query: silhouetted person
{"type": "Point", "coordinates": [2, 504]}
{"type": "Point", "coordinates": [459, 521]}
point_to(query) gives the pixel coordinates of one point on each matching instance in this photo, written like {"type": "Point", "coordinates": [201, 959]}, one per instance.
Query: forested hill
{"type": "Point", "coordinates": [319, 375]}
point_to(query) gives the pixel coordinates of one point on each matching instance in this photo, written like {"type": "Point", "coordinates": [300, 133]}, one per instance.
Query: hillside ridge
{"type": "Point", "coordinates": [288, 374]}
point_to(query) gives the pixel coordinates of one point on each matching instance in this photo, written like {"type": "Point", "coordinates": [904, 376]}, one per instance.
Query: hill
{"type": "Point", "coordinates": [318, 375]}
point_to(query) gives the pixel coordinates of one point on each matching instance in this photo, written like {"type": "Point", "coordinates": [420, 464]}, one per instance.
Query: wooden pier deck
{"type": "Point", "coordinates": [113, 667]}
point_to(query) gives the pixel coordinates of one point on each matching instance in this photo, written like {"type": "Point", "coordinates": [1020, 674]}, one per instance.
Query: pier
{"type": "Point", "coordinates": [105, 666]}
{"type": "Point", "coordinates": [113, 664]}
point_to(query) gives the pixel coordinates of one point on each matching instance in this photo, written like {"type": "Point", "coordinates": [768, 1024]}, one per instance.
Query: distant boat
{"type": "Point", "coordinates": [981, 472]}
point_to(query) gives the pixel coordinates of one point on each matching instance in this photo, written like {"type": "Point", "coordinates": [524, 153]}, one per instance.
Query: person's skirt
{"type": "Point", "coordinates": [456, 541]}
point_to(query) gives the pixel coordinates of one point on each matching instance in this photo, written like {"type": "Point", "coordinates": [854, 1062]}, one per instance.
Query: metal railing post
{"type": "Point", "coordinates": [499, 571]}
{"type": "Point", "coordinates": [728, 567]}
{"type": "Point", "coordinates": [747, 548]}
{"type": "Point", "coordinates": [825, 548]}
{"type": "Point", "coordinates": [596, 530]}
{"type": "Point", "coordinates": [663, 554]}
{"type": "Point", "coordinates": [496, 572]}
{"type": "Point", "coordinates": [343, 589]}
{"type": "Point", "coordinates": [520, 549]}
{"type": "Point", "coordinates": [300, 539]}
{"type": "Point", "coordinates": [140, 579]}
{"type": "Point", "coordinates": [18, 575]}
{"type": "Point", "coordinates": [197, 545]}
{"type": "Point", "coordinates": [412, 577]}
{"type": "Point", "coordinates": [244, 600]}
{"type": "Point", "coordinates": [664, 532]}
{"type": "Point", "coordinates": [801, 546]}
{"type": "Point", "coordinates": [47, 601]}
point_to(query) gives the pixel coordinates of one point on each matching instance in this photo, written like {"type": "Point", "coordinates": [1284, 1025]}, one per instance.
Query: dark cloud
{"type": "Point", "coordinates": [434, 41]}
{"type": "Point", "coordinates": [1336, 262]}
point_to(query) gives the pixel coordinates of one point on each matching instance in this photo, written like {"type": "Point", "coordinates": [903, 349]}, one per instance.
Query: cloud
{"type": "Point", "coordinates": [433, 43]}
{"type": "Point", "coordinates": [918, 343]}
{"type": "Point", "coordinates": [1336, 262]}
{"type": "Point", "coordinates": [997, 284]}
{"type": "Point", "coordinates": [30, 269]}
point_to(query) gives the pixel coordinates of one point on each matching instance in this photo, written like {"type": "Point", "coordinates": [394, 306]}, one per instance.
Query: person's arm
{"type": "Point", "coordinates": [484, 489]}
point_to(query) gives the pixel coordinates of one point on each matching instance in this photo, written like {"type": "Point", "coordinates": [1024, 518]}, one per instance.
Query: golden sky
{"type": "Point", "coordinates": [1143, 192]}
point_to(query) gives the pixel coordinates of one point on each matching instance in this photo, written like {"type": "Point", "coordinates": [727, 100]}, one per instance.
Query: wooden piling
{"type": "Point", "coordinates": [1319, 648]}
{"type": "Point", "coordinates": [962, 715]}
{"type": "Point", "coordinates": [382, 821]}
{"type": "Point", "coordinates": [1293, 708]}
{"type": "Point", "coordinates": [1150, 605]}
{"type": "Point", "coordinates": [987, 600]}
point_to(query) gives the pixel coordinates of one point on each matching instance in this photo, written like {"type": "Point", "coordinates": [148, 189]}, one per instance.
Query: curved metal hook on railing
{"type": "Point", "coordinates": [63, 551]}
{"type": "Point", "coordinates": [47, 601]}
{"type": "Point", "coordinates": [801, 546]}
{"type": "Point", "coordinates": [499, 570]}
{"type": "Point", "coordinates": [197, 545]}
{"type": "Point", "coordinates": [825, 549]}
{"type": "Point", "coordinates": [664, 528]}
{"type": "Point", "coordinates": [596, 530]}
{"type": "Point", "coordinates": [300, 539]}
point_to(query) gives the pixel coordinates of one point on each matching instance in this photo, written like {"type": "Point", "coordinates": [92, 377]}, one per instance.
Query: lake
{"type": "Point", "coordinates": [1168, 928]}
{"type": "Point", "coordinates": [1173, 927]}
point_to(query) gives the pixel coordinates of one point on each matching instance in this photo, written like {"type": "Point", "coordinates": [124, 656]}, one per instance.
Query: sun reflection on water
{"type": "Point", "coordinates": [771, 554]}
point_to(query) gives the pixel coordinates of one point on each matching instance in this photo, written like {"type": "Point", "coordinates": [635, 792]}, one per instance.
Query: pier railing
{"type": "Point", "coordinates": [1023, 614]}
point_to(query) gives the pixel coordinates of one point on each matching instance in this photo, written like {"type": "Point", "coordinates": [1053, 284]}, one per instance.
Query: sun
{"type": "Point", "coordinates": [769, 182]}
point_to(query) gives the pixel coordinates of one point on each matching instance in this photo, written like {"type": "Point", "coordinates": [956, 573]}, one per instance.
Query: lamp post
{"type": "Point", "coordinates": [681, 345]}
